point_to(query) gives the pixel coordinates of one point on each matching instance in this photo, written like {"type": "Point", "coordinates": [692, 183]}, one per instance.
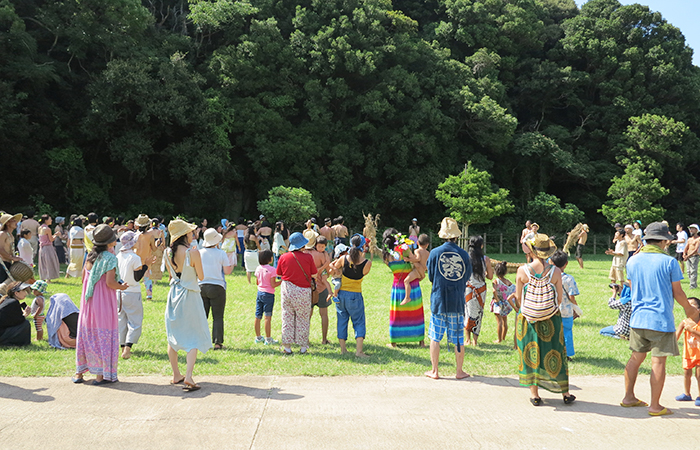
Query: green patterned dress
{"type": "Point", "coordinates": [542, 354]}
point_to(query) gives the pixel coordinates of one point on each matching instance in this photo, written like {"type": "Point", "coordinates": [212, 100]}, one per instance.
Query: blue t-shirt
{"type": "Point", "coordinates": [449, 269]}
{"type": "Point", "coordinates": [651, 275]}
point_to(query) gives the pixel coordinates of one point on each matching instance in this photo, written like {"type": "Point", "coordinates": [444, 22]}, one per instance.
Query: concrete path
{"type": "Point", "coordinates": [335, 413]}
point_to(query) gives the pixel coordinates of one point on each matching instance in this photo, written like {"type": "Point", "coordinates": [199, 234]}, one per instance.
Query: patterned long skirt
{"type": "Point", "coordinates": [542, 354]}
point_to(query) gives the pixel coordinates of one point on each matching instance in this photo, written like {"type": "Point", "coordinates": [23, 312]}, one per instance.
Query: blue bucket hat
{"type": "Point", "coordinates": [297, 241]}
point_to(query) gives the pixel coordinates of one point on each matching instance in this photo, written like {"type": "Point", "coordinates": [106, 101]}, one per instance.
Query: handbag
{"type": "Point", "coordinates": [312, 282]}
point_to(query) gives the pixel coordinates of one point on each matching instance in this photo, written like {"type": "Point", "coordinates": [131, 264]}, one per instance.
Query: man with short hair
{"type": "Point", "coordinates": [449, 269]}
{"type": "Point", "coordinates": [582, 238]}
{"type": "Point", "coordinates": [329, 233]}
{"type": "Point", "coordinates": [655, 281]}
{"type": "Point", "coordinates": [341, 231]}
{"type": "Point", "coordinates": [690, 254]}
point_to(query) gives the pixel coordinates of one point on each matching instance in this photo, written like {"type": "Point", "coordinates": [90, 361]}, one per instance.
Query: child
{"type": "Point", "coordinates": [25, 247]}
{"type": "Point", "coordinates": [337, 274]}
{"type": "Point", "coordinates": [419, 259]}
{"type": "Point", "coordinates": [691, 352]}
{"type": "Point", "coordinates": [502, 302]}
{"type": "Point", "coordinates": [567, 306]}
{"type": "Point", "coordinates": [39, 289]}
{"type": "Point", "coordinates": [267, 279]}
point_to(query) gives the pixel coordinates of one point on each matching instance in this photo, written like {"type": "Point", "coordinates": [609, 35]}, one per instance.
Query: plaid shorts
{"type": "Point", "coordinates": [452, 323]}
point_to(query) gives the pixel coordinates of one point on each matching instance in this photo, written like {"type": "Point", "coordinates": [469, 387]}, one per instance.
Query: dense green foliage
{"type": "Point", "coordinates": [292, 205]}
{"type": "Point", "coordinates": [202, 107]}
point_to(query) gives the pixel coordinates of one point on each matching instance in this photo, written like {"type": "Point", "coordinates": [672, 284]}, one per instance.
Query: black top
{"type": "Point", "coordinates": [10, 313]}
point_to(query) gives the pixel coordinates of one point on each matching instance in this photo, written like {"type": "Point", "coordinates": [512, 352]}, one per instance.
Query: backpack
{"type": "Point", "coordinates": [540, 297]}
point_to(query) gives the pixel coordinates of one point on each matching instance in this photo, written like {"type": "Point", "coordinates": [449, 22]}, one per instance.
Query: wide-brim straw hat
{"type": "Point", "coordinates": [103, 235]}
{"type": "Point", "coordinates": [449, 229]}
{"type": "Point", "coordinates": [178, 228]}
{"type": "Point", "coordinates": [211, 237]}
{"type": "Point", "coordinates": [7, 217]}
{"type": "Point", "coordinates": [657, 231]}
{"type": "Point", "coordinates": [142, 220]}
{"type": "Point", "coordinates": [542, 246]}
{"type": "Point", "coordinates": [297, 241]}
{"type": "Point", "coordinates": [310, 236]}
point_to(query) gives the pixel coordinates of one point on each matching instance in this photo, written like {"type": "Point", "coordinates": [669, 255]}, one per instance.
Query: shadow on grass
{"type": "Point", "coordinates": [604, 363]}
{"type": "Point", "coordinates": [26, 395]}
{"type": "Point", "coordinates": [207, 388]}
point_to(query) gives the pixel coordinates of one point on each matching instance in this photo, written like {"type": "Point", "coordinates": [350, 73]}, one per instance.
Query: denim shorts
{"type": "Point", "coordinates": [264, 304]}
{"type": "Point", "coordinates": [450, 323]}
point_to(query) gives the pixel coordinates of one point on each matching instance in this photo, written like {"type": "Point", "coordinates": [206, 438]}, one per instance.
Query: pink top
{"type": "Point", "coordinates": [44, 239]}
{"type": "Point", "coordinates": [264, 276]}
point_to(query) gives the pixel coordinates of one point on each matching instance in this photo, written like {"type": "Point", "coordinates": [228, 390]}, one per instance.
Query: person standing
{"type": "Point", "coordinates": [655, 281]}
{"type": "Point", "coordinates": [449, 268]}
{"type": "Point", "coordinates": [620, 255]}
{"type": "Point", "coordinates": [634, 242]}
{"type": "Point", "coordinates": [690, 254]}
{"type": "Point", "coordinates": [582, 239]}
{"type": "Point", "coordinates": [185, 320]}
{"type": "Point", "coordinates": [680, 241]}
{"type": "Point", "coordinates": [132, 269]}
{"type": "Point", "coordinates": [32, 225]}
{"type": "Point", "coordinates": [76, 255]}
{"type": "Point", "coordinates": [97, 344]}
{"type": "Point", "coordinates": [329, 233]}
{"type": "Point", "coordinates": [145, 247]}
{"type": "Point", "coordinates": [215, 264]}
{"type": "Point", "coordinates": [524, 235]}
{"type": "Point", "coordinates": [322, 262]}
{"type": "Point", "coordinates": [475, 294]}
{"type": "Point", "coordinates": [414, 232]}
{"type": "Point", "coordinates": [48, 261]}
{"type": "Point", "coordinates": [58, 242]}
{"type": "Point", "coordinates": [341, 231]}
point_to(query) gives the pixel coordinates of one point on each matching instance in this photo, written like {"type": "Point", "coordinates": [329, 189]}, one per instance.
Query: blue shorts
{"type": "Point", "coordinates": [452, 323]}
{"type": "Point", "coordinates": [264, 304]}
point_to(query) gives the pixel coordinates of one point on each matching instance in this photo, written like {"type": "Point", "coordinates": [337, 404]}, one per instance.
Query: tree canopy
{"type": "Point", "coordinates": [203, 106]}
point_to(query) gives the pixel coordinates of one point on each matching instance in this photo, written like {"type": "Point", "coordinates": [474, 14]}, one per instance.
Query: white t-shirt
{"type": "Point", "coordinates": [25, 251]}
{"type": "Point", "coordinates": [213, 262]}
{"type": "Point", "coordinates": [128, 263]}
{"type": "Point", "coordinates": [682, 235]}
{"type": "Point", "coordinates": [76, 233]}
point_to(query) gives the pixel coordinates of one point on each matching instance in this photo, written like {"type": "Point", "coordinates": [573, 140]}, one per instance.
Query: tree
{"type": "Point", "coordinates": [289, 204]}
{"type": "Point", "coordinates": [634, 195]}
{"type": "Point", "coordinates": [546, 210]}
{"type": "Point", "coordinates": [471, 198]}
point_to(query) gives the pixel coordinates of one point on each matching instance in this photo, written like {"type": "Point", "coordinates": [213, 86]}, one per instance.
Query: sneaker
{"type": "Point", "coordinates": [684, 398]}
{"type": "Point", "coordinates": [259, 340]}
{"type": "Point", "coordinates": [303, 350]}
{"type": "Point", "coordinates": [697, 401]}
{"type": "Point", "coordinates": [271, 341]}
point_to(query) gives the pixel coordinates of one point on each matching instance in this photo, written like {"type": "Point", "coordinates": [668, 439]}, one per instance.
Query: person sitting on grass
{"type": "Point", "coordinates": [621, 330]}
{"type": "Point", "coordinates": [419, 259]}
{"type": "Point", "coordinates": [267, 279]}
{"type": "Point", "coordinates": [691, 353]}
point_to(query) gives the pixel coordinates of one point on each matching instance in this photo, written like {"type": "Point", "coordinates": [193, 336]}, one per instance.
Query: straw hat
{"type": "Point", "coordinates": [103, 235]}
{"type": "Point", "coordinates": [449, 229]}
{"type": "Point", "coordinates": [542, 246]}
{"type": "Point", "coordinates": [142, 221]}
{"type": "Point", "coordinates": [211, 237]}
{"type": "Point", "coordinates": [310, 236]}
{"type": "Point", "coordinates": [7, 217]}
{"type": "Point", "coordinates": [297, 241]}
{"type": "Point", "coordinates": [178, 228]}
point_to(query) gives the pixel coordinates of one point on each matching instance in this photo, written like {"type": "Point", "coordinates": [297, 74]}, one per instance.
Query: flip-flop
{"type": "Point", "coordinates": [569, 399]}
{"type": "Point", "coordinates": [189, 387]}
{"type": "Point", "coordinates": [178, 381]}
{"type": "Point", "coordinates": [663, 412]}
{"type": "Point", "coordinates": [632, 405]}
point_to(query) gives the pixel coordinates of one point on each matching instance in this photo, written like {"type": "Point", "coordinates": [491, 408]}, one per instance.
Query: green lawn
{"type": "Point", "coordinates": [595, 355]}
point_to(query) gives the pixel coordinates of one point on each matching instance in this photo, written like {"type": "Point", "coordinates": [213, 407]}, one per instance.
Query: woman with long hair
{"type": "Point", "coordinates": [48, 260]}
{"type": "Point", "coordinates": [185, 320]}
{"type": "Point", "coordinates": [279, 243]}
{"type": "Point", "coordinates": [351, 305]}
{"type": "Point", "coordinates": [475, 295]}
{"type": "Point", "coordinates": [14, 326]}
{"type": "Point", "coordinates": [406, 322]}
{"type": "Point", "coordinates": [97, 343]}
{"type": "Point", "coordinates": [250, 256]}
{"type": "Point", "coordinates": [61, 236]}
{"type": "Point", "coordinates": [230, 243]}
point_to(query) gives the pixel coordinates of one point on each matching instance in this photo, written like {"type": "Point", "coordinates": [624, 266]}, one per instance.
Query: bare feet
{"type": "Point", "coordinates": [497, 341]}
{"type": "Point", "coordinates": [432, 374]}
{"type": "Point", "coordinates": [325, 342]}
{"type": "Point", "coordinates": [361, 355]}
{"type": "Point", "coordinates": [126, 353]}
{"type": "Point", "coordinates": [343, 352]}
{"type": "Point", "coordinates": [462, 375]}
{"type": "Point", "coordinates": [392, 345]}
{"type": "Point", "coordinates": [421, 344]}
{"type": "Point", "coordinates": [39, 335]}
{"type": "Point", "coordinates": [405, 300]}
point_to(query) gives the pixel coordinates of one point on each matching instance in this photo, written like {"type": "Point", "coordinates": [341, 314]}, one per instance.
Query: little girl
{"type": "Point", "coordinates": [691, 353]}
{"type": "Point", "coordinates": [230, 244]}
{"type": "Point", "coordinates": [503, 299]}
{"type": "Point", "coordinates": [340, 250]}
{"type": "Point", "coordinates": [39, 289]}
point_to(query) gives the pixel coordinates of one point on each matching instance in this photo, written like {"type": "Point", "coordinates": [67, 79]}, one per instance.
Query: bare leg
{"type": "Point", "coordinates": [172, 356]}
{"type": "Point", "coordinates": [505, 327]}
{"type": "Point", "coordinates": [658, 377]}
{"type": "Point", "coordinates": [631, 372]}
{"type": "Point", "coordinates": [687, 375]}
{"type": "Point", "coordinates": [580, 262]}
{"type": "Point", "coordinates": [434, 359]}
{"type": "Point", "coordinates": [534, 392]}
{"type": "Point", "coordinates": [323, 312]}
{"type": "Point", "coordinates": [191, 359]}
{"type": "Point", "coordinates": [499, 329]}
{"type": "Point", "coordinates": [422, 345]}
{"type": "Point", "coordinates": [257, 327]}
{"type": "Point", "coordinates": [358, 352]}
{"type": "Point", "coordinates": [343, 350]}
{"type": "Point", "coordinates": [459, 357]}
{"type": "Point", "coordinates": [467, 337]}
{"type": "Point", "coordinates": [697, 377]}
{"type": "Point", "coordinates": [248, 275]}
{"type": "Point", "coordinates": [268, 326]}
{"type": "Point", "coordinates": [413, 275]}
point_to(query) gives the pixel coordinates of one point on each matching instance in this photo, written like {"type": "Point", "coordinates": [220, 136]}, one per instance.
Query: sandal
{"type": "Point", "coordinates": [569, 399]}
{"type": "Point", "coordinates": [173, 382]}
{"type": "Point", "coordinates": [77, 380]}
{"type": "Point", "coordinates": [218, 347]}
{"type": "Point", "coordinates": [189, 387]}
{"type": "Point", "coordinates": [537, 401]}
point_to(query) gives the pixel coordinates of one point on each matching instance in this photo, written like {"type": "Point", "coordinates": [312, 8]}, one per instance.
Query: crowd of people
{"type": "Point", "coordinates": [323, 266]}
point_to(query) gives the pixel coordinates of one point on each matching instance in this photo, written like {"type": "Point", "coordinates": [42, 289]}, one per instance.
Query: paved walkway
{"type": "Point", "coordinates": [335, 413]}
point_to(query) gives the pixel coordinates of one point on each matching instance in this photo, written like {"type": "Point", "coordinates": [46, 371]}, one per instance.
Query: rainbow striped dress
{"type": "Point", "coordinates": [406, 322]}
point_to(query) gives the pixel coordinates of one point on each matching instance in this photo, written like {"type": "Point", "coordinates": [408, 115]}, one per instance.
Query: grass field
{"type": "Point", "coordinates": [595, 355]}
